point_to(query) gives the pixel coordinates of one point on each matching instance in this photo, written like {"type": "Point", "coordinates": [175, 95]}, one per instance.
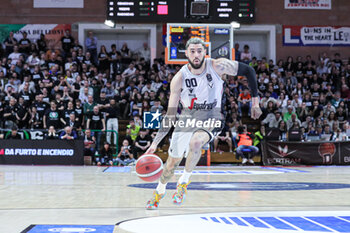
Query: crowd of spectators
{"type": "Point", "coordinates": [69, 91]}
{"type": "Point", "coordinates": [312, 96]}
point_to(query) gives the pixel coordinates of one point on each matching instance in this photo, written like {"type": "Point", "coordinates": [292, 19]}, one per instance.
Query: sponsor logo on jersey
{"type": "Point", "coordinates": [210, 80]}
{"type": "Point", "coordinates": [203, 106]}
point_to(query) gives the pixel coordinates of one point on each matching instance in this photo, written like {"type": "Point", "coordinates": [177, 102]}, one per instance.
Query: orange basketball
{"type": "Point", "coordinates": [149, 167]}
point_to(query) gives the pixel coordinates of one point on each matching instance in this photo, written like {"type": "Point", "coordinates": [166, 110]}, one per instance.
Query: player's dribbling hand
{"type": "Point", "coordinates": [151, 149]}
{"type": "Point", "coordinates": [255, 109]}
{"type": "Point", "coordinates": [255, 112]}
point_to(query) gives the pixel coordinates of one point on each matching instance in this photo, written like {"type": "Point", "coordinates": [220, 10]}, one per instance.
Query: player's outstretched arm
{"type": "Point", "coordinates": [225, 66]}
{"type": "Point", "coordinates": [175, 92]}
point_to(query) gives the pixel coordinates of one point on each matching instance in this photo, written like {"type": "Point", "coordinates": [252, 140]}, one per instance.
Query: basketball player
{"type": "Point", "coordinates": [198, 89]}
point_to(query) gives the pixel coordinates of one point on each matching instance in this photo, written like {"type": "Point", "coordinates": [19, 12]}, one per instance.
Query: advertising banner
{"type": "Point", "coordinates": [306, 153]}
{"type": "Point", "coordinates": [37, 152]}
{"type": "Point", "coordinates": [53, 32]}
{"type": "Point", "coordinates": [308, 4]}
{"type": "Point", "coordinates": [316, 36]}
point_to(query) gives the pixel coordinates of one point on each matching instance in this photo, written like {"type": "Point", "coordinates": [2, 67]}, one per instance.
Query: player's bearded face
{"type": "Point", "coordinates": [195, 55]}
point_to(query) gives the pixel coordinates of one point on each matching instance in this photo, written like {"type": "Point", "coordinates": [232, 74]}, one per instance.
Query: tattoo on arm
{"type": "Point", "coordinates": [225, 66]}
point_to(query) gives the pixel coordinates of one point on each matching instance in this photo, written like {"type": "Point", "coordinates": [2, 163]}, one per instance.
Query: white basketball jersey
{"type": "Point", "coordinates": [201, 92]}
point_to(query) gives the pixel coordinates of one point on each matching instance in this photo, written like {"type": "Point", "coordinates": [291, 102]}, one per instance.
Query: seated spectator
{"type": "Point", "coordinates": [345, 92]}
{"type": "Point", "coordinates": [336, 99]}
{"type": "Point", "coordinates": [244, 101]}
{"type": "Point", "coordinates": [68, 134]}
{"type": "Point", "coordinates": [51, 134]}
{"type": "Point", "coordinates": [15, 55]}
{"type": "Point", "coordinates": [268, 109]}
{"type": "Point", "coordinates": [288, 115]}
{"type": "Point", "coordinates": [130, 71]}
{"type": "Point", "coordinates": [282, 100]}
{"type": "Point", "coordinates": [147, 88]}
{"type": "Point", "coordinates": [307, 122]}
{"type": "Point", "coordinates": [137, 120]}
{"type": "Point", "coordinates": [224, 136]}
{"type": "Point", "coordinates": [136, 105]}
{"type": "Point", "coordinates": [272, 119]}
{"type": "Point", "coordinates": [245, 141]}
{"type": "Point", "coordinates": [283, 130]}
{"type": "Point", "coordinates": [142, 142]}
{"type": "Point", "coordinates": [106, 156]}
{"type": "Point", "coordinates": [326, 133]}
{"type": "Point", "coordinates": [125, 157]}
{"type": "Point", "coordinates": [157, 106]}
{"type": "Point", "coordinates": [132, 131]}
{"type": "Point", "coordinates": [315, 132]}
{"type": "Point", "coordinates": [109, 90]}
{"type": "Point", "coordinates": [164, 88]}
{"type": "Point", "coordinates": [302, 112]}
{"type": "Point", "coordinates": [338, 135]}
{"type": "Point", "coordinates": [89, 143]}
{"type": "Point", "coordinates": [341, 116]}
{"type": "Point", "coordinates": [293, 120]}
{"type": "Point", "coordinates": [259, 136]}
{"type": "Point", "coordinates": [14, 134]}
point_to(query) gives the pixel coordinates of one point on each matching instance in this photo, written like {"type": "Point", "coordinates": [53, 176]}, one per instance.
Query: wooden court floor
{"type": "Point", "coordinates": [93, 195]}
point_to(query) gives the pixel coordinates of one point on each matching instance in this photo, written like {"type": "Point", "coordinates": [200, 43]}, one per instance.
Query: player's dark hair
{"type": "Point", "coordinates": [195, 40]}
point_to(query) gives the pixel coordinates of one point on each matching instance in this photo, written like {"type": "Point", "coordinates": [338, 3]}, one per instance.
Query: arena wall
{"type": "Point", "coordinates": [267, 12]}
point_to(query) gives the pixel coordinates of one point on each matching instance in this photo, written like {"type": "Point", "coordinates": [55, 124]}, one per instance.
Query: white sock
{"type": "Point", "coordinates": [185, 177]}
{"type": "Point", "coordinates": [161, 188]}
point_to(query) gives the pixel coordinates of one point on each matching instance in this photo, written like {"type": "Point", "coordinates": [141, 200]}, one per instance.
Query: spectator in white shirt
{"type": "Point", "coordinates": [147, 88]}
{"type": "Point", "coordinates": [145, 52]}
{"type": "Point", "coordinates": [129, 71]}
{"type": "Point", "coordinates": [15, 55]}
